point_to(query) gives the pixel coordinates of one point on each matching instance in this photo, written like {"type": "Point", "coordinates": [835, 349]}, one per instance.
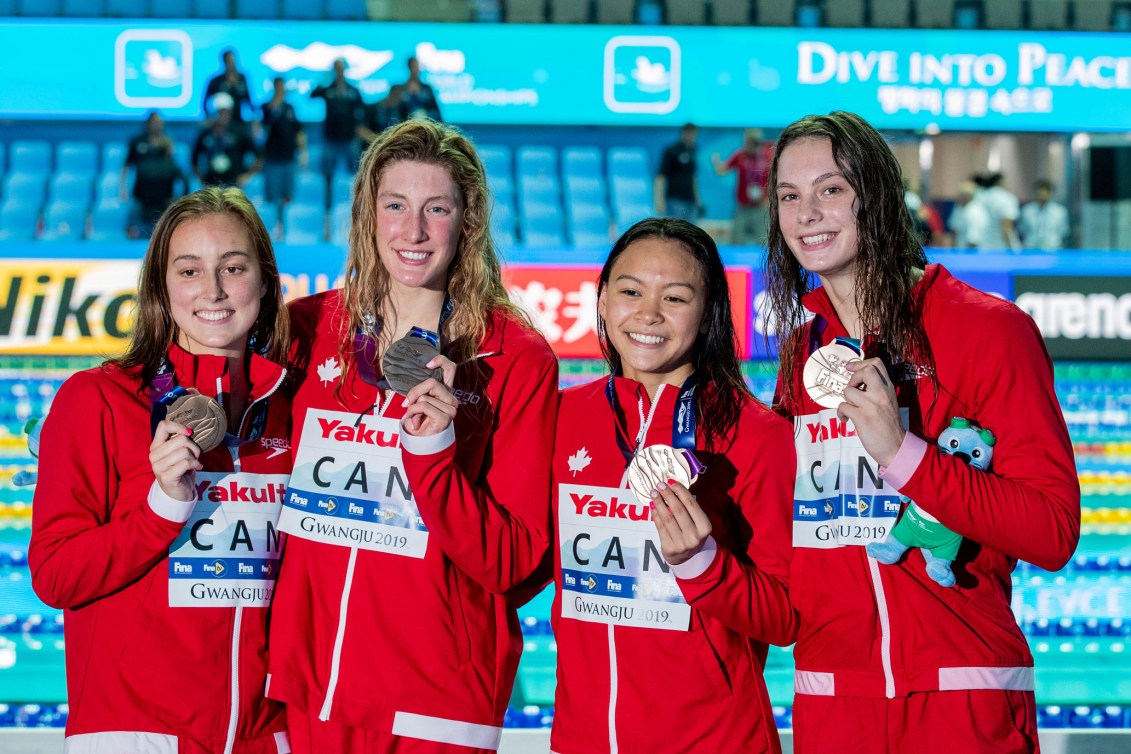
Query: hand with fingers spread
{"type": "Point", "coordinates": [175, 459]}
{"type": "Point", "coordinates": [682, 524]}
{"type": "Point", "coordinates": [430, 406]}
{"type": "Point", "coordinates": [871, 405]}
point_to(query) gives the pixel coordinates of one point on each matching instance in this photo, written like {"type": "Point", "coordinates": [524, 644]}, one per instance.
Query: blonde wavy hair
{"type": "Point", "coordinates": [475, 281]}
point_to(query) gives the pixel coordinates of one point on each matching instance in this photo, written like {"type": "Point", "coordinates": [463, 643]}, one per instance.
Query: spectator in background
{"type": "Point", "coordinates": [285, 141]}
{"type": "Point", "coordinates": [233, 82]}
{"type": "Point", "coordinates": [752, 163]}
{"type": "Point", "coordinates": [1003, 208]}
{"type": "Point", "coordinates": [155, 177]}
{"type": "Point", "coordinates": [413, 98]}
{"type": "Point", "coordinates": [677, 188]}
{"type": "Point", "coordinates": [920, 217]}
{"type": "Point", "coordinates": [340, 130]}
{"type": "Point", "coordinates": [225, 149]}
{"type": "Point", "coordinates": [969, 220]}
{"type": "Point", "coordinates": [1044, 222]}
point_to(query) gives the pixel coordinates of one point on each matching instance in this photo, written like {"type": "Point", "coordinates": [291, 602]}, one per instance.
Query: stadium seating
{"type": "Point", "coordinates": [78, 157]}
{"type": "Point", "coordinates": [24, 189]}
{"type": "Point", "coordinates": [64, 221]}
{"type": "Point", "coordinates": [70, 187]}
{"type": "Point", "coordinates": [303, 223]}
{"type": "Point", "coordinates": [33, 157]}
{"type": "Point", "coordinates": [17, 221]}
{"type": "Point", "coordinates": [340, 224]}
{"type": "Point", "coordinates": [108, 221]}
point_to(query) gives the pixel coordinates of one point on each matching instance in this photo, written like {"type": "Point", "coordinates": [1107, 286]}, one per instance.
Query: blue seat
{"type": "Point", "coordinates": [589, 224]}
{"type": "Point", "coordinates": [64, 221]}
{"type": "Point", "coordinates": [303, 223]}
{"type": "Point", "coordinates": [541, 162]}
{"type": "Point", "coordinates": [631, 191]}
{"type": "Point", "coordinates": [18, 221]}
{"type": "Point", "coordinates": [542, 225]}
{"type": "Point", "coordinates": [585, 188]}
{"type": "Point", "coordinates": [502, 220]}
{"type": "Point", "coordinates": [303, 10]}
{"type": "Point", "coordinates": [268, 212]}
{"type": "Point", "coordinates": [171, 8]}
{"type": "Point", "coordinates": [127, 8]}
{"type": "Point", "coordinates": [257, 9]}
{"type": "Point", "coordinates": [108, 222]}
{"type": "Point", "coordinates": [539, 190]}
{"type": "Point", "coordinates": [310, 188]}
{"type": "Point", "coordinates": [25, 188]}
{"type": "Point", "coordinates": [496, 159]}
{"type": "Point", "coordinates": [347, 10]}
{"type": "Point", "coordinates": [79, 157]}
{"type": "Point", "coordinates": [340, 220]}
{"type": "Point", "coordinates": [83, 8]}
{"type": "Point", "coordinates": [212, 9]}
{"type": "Point", "coordinates": [72, 188]}
{"type": "Point", "coordinates": [108, 188]}
{"type": "Point", "coordinates": [113, 156]}
{"type": "Point", "coordinates": [581, 162]}
{"type": "Point", "coordinates": [341, 189]}
{"type": "Point", "coordinates": [29, 157]}
{"type": "Point", "coordinates": [629, 162]}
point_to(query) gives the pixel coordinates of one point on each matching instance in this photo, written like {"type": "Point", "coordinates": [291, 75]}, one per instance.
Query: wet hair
{"type": "Point", "coordinates": [722, 390]}
{"type": "Point", "coordinates": [889, 250]}
{"type": "Point", "coordinates": [474, 277]}
{"type": "Point", "coordinates": [154, 330]}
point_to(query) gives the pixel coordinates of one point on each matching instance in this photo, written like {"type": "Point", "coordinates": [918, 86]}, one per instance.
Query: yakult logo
{"type": "Point", "coordinates": [234, 492]}
{"type": "Point", "coordinates": [334, 429]}
{"type": "Point", "coordinates": [833, 429]}
{"type": "Point", "coordinates": [587, 505]}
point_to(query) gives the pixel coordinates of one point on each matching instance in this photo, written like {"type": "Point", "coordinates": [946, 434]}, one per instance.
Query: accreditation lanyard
{"type": "Point", "coordinates": [365, 345]}
{"type": "Point", "coordinates": [164, 390]}
{"type": "Point", "coordinates": [683, 419]}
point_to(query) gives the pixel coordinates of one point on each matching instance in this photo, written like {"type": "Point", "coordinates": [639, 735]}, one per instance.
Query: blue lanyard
{"type": "Point", "coordinates": [164, 390]}
{"type": "Point", "coordinates": [817, 331]}
{"type": "Point", "coordinates": [365, 345]}
{"type": "Point", "coordinates": [683, 418]}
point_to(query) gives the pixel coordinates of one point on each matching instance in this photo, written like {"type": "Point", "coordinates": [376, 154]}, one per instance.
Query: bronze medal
{"type": "Point", "coordinates": [655, 464]}
{"type": "Point", "coordinates": [404, 363]}
{"type": "Point", "coordinates": [203, 416]}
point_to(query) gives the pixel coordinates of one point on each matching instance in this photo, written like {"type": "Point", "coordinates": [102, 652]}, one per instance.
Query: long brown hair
{"type": "Point", "coordinates": [474, 278]}
{"type": "Point", "coordinates": [154, 330]}
{"type": "Point", "coordinates": [889, 251]}
{"type": "Point", "coordinates": [722, 390]}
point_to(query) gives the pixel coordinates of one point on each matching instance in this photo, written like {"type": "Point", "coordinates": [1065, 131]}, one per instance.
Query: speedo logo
{"type": "Point", "coordinates": [277, 445]}
{"type": "Point", "coordinates": [1078, 315]}
{"type": "Point", "coordinates": [587, 505]}
{"type": "Point", "coordinates": [234, 492]}
{"type": "Point", "coordinates": [334, 429]}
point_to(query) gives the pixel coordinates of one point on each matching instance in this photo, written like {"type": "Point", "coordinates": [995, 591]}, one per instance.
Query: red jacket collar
{"type": "Point", "coordinates": [202, 371]}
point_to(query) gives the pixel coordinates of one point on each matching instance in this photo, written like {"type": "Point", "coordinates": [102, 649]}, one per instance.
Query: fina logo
{"type": "Point", "coordinates": [218, 568]}
{"type": "Point", "coordinates": [589, 583]}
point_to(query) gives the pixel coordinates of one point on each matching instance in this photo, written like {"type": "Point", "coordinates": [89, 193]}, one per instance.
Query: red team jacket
{"type": "Point", "coordinates": [396, 607]}
{"type": "Point", "coordinates": [873, 630]}
{"type": "Point", "coordinates": [142, 674]}
{"type": "Point", "coordinates": [684, 671]}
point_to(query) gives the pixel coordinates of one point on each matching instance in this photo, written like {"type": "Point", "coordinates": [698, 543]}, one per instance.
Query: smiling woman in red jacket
{"type": "Point", "coordinates": [165, 564]}
{"type": "Point", "coordinates": [888, 659]}
{"type": "Point", "coordinates": [668, 593]}
{"type": "Point", "coordinates": [413, 524]}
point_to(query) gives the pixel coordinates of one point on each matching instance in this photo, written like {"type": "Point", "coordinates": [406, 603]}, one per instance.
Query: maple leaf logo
{"type": "Point", "coordinates": [328, 371]}
{"type": "Point", "coordinates": [578, 461]}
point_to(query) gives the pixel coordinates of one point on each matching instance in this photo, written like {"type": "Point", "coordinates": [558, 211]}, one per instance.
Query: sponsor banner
{"type": "Point", "coordinates": [612, 569]}
{"type": "Point", "coordinates": [562, 303]}
{"type": "Point", "coordinates": [349, 486]}
{"type": "Point", "coordinates": [588, 75]}
{"type": "Point", "coordinates": [1080, 317]}
{"type": "Point", "coordinates": [1080, 600]}
{"type": "Point", "coordinates": [839, 497]}
{"type": "Point", "coordinates": [228, 553]}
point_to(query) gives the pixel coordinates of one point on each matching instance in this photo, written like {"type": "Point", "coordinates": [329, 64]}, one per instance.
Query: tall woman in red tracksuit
{"type": "Point", "coordinates": [412, 535]}
{"type": "Point", "coordinates": [667, 654]}
{"type": "Point", "coordinates": [162, 555]}
{"type": "Point", "coordinates": [888, 659]}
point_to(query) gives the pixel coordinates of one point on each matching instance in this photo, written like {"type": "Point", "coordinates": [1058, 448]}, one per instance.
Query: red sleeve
{"type": "Point", "coordinates": [732, 161]}
{"type": "Point", "coordinates": [750, 595]}
{"type": "Point", "coordinates": [93, 532]}
{"type": "Point", "coordinates": [495, 529]}
{"type": "Point", "coordinates": [1029, 507]}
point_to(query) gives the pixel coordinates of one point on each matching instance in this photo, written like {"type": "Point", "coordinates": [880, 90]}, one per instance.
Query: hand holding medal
{"type": "Point", "coordinates": [414, 367]}
{"type": "Point", "coordinates": [202, 416]}
{"type": "Point", "coordinates": [175, 459]}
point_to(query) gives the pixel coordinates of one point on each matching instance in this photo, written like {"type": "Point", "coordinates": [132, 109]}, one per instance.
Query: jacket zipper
{"type": "Point", "coordinates": [339, 638]}
{"type": "Point", "coordinates": [885, 626]}
{"type": "Point", "coordinates": [233, 720]}
{"type": "Point", "coordinates": [613, 748]}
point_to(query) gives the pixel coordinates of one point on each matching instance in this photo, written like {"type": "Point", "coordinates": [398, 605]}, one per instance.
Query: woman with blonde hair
{"type": "Point", "coordinates": [419, 505]}
{"type": "Point", "coordinates": [165, 565]}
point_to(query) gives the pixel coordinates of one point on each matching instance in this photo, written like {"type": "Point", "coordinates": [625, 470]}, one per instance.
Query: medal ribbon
{"type": "Point", "coordinates": [683, 419]}
{"type": "Point", "coordinates": [365, 345]}
{"type": "Point", "coordinates": [164, 390]}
